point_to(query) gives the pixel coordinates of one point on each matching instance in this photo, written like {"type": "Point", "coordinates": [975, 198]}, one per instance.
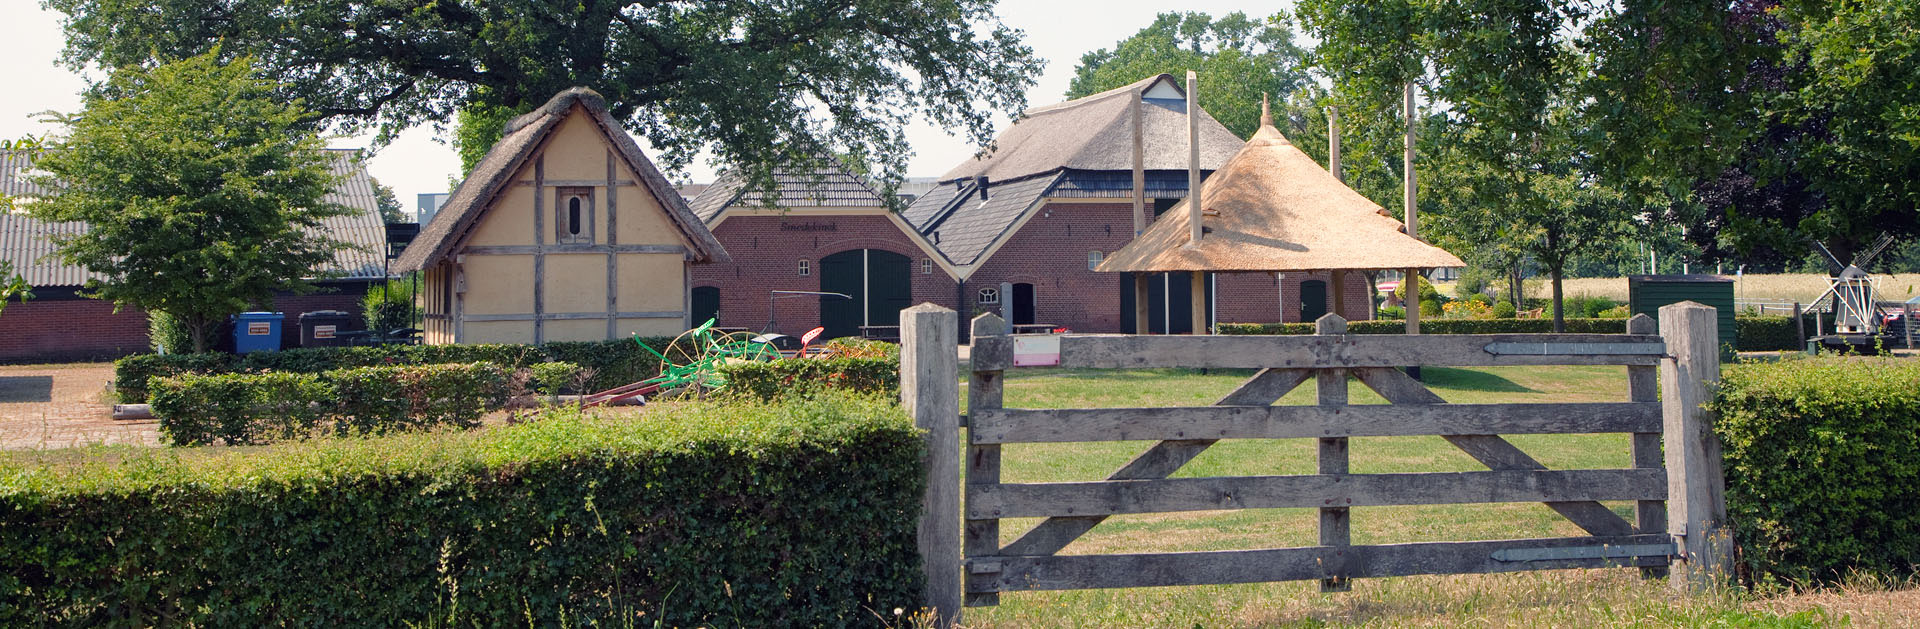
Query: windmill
{"type": "Point", "coordinates": [1857, 321]}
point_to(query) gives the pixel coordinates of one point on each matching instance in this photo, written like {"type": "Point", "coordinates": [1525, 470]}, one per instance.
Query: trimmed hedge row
{"type": "Point", "coordinates": [810, 376]}
{"type": "Point", "coordinates": [613, 363]}
{"type": "Point", "coordinates": [1822, 460]}
{"type": "Point", "coordinates": [793, 515]}
{"type": "Point", "coordinates": [262, 408]}
{"type": "Point", "coordinates": [1768, 333]}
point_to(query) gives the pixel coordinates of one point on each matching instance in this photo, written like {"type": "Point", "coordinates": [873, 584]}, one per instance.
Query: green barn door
{"type": "Point", "coordinates": [889, 286]}
{"type": "Point", "coordinates": [841, 273]}
{"type": "Point", "coordinates": [706, 304]}
{"type": "Point", "coordinates": [1313, 300]}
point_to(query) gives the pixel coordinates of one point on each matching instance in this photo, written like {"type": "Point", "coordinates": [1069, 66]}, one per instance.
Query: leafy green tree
{"type": "Point", "coordinates": [757, 82]}
{"type": "Point", "coordinates": [390, 209]}
{"type": "Point", "coordinates": [203, 192]}
{"type": "Point", "coordinates": [1239, 60]}
{"type": "Point", "coordinates": [1503, 76]}
{"type": "Point", "coordinates": [12, 286]}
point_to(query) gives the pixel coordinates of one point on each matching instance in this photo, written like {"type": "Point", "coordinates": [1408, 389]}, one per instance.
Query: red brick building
{"type": "Point", "coordinates": [59, 324]}
{"type": "Point", "coordinates": [1016, 231]}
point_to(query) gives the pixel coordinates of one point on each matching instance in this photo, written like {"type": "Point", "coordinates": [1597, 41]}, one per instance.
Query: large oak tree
{"type": "Point", "coordinates": [756, 82]}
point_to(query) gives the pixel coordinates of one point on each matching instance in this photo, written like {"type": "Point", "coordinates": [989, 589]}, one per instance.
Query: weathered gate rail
{"type": "Point", "coordinates": [1684, 486]}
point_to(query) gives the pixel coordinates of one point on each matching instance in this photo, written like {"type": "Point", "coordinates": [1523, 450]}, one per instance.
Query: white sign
{"type": "Point", "coordinates": [323, 331]}
{"type": "Point", "coordinates": [259, 328]}
{"type": "Point", "coordinates": [1036, 350]}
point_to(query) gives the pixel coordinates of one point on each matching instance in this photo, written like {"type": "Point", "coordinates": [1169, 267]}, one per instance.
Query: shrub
{"type": "Point", "coordinates": [553, 377]}
{"type": "Point", "coordinates": [1427, 291]}
{"type": "Point", "coordinates": [164, 333]}
{"type": "Point", "coordinates": [1822, 460]}
{"type": "Point", "coordinates": [1762, 333]}
{"type": "Point", "coordinates": [613, 363]}
{"type": "Point", "coordinates": [378, 400]}
{"type": "Point", "coordinates": [1503, 310]}
{"type": "Point", "coordinates": [1441, 326]}
{"type": "Point", "coordinates": [804, 377]}
{"type": "Point", "coordinates": [794, 515]}
{"type": "Point", "coordinates": [240, 409]}
{"type": "Point", "coordinates": [388, 307]}
{"type": "Point", "coordinates": [1384, 312]}
{"type": "Point", "coordinates": [851, 347]}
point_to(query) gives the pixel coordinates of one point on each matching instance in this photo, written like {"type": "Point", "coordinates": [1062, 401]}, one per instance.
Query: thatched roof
{"type": "Point", "coordinates": [1272, 208]}
{"type": "Point", "coordinates": [519, 141]}
{"type": "Point", "coordinates": [1096, 133]}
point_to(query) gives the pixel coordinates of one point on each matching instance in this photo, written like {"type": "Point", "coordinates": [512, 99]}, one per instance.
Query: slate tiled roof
{"type": "Point", "coordinates": [963, 226]}
{"type": "Point", "coordinates": [1096, 133]}
{"type": "Point", "coordinates": [1110, 184]}
{"type": "Point", "coordinates": [27, 242]}
{"type": "Point", "coordinates": [828, 185]}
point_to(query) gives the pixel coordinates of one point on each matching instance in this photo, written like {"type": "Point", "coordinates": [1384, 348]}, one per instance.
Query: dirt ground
{"type": "Point", "coordinates": [59, 406]}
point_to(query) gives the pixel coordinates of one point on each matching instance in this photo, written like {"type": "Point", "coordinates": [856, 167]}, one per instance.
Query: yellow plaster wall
{"type": "Point", "coordinates": [515, 332]}
{"type": "Point", "coordinates": [652, 282]}
{"type": "Point", "coordinates": [498, 284]}
{"type": "Point", "coordinates": [650, 327]}
{"type": "Point", "coordinates": [577, 150]}
{"type": "Point", "coordinates": [577, 283]}
{"type": "Point", "coordinates": [642, 220]}
{"type": "Point", "coordinates": [577, 330]}
{"type": "Point", "coordinates": [510, 220]}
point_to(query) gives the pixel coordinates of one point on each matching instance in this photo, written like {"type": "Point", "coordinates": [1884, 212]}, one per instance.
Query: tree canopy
{"type": "Point", "coordinates": [202, 191]}
{"type": "Point", "coordinates": [1239, 59]}
{"type": "Point", "coordinates": [757, 82]}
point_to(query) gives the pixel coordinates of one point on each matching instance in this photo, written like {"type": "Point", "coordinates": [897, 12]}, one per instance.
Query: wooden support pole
{"type": "Point", "coordinates": [1194, 208]}
{"type": "Point", "coordinates": [1906, 323]}
{"type": "Point", "coordinates": [930, 393]}
{"type": "Point", "coordinates": [1696, 486]}
{"type": "Point", "coordinates": [1199, 299]}
{"type": "Point", "coordinates": [1799, 327]}
{"type": "Point", "coordinates": [1412, 303]}
{"type": "Point", "coordinates": [992, 354]}
{"type": "Point", "coordinates": [1333, 144]}
{"type": "Point", "coordinates": [1142, 302]}
{"type": "Point", "coordinates": [1339, 289]}
{"type": "Point", "coordinates": [1643, 385]}
{"type": "Point", "coordinates": [1139, 165]}
{"type": "Point", "coordinates": [1335, 525]}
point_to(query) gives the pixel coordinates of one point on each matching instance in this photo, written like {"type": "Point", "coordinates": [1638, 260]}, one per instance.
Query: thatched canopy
{"type": "Point", "coordinates": [1272, 208]}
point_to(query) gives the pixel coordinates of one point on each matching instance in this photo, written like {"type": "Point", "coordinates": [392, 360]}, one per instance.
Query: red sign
{"type": "Point", "coordinates": [812, 334]}
{"type": "Point", "coordinates": [259, 328]}
{"type": "Point", "coordinates": [323, 331]}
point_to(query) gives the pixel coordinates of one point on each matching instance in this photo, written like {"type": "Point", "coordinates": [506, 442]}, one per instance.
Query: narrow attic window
{"type": "Point", "coordinates": [805, 268]}
{"type": "Point", "coordinates": [573, 215]}
{"type": "Point", "coordinates": [1093, 260]}
{"type": "Point", "coordinates": [926, 266]}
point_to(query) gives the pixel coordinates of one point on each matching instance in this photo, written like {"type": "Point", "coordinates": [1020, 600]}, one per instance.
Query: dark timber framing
{"type": "Point", "coordinates": [539, 245]}
{"type": "Point", "coordinates": [1678, 501]}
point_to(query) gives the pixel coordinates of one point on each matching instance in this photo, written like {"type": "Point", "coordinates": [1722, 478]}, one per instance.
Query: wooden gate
{"type": "Point", "coordinates": [1678, 508]}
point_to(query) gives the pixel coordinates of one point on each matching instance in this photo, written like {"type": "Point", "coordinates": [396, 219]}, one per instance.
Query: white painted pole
{"type": "Point", "coordinates": [1333, 143]}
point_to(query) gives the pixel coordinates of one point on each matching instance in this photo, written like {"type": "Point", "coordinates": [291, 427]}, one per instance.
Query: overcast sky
{"type": "Point", "coordinates": [1059, 31]}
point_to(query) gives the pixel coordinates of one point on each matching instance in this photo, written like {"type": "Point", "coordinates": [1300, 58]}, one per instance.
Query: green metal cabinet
{"type": "Point", "coordinates": [1647, 293]}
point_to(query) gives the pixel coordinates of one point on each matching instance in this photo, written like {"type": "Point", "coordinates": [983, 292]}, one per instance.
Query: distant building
{"type": "Point", "coordinates": [564, 231]}
{"type": "Point", "coordinates": [60, 324]}
{"type": "Point", "coordinates": [428, 204]}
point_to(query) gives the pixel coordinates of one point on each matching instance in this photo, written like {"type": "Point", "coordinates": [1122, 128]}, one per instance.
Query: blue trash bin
{"type": "Point", "coordinates": [257, 332]}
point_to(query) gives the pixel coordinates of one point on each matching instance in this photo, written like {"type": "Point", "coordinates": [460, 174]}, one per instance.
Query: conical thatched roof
{"type": "Point", "coordinates": [1272, 208]}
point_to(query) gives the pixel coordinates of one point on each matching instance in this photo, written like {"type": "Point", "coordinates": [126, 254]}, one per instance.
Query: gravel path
{"type": "Point", "coordinates": [60, 406]}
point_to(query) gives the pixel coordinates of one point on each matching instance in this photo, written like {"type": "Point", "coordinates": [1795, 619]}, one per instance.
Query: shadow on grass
{"type": "Point", "coordinates": [26, 389]}
{"type": "Point", "coordinates": [1119, 374]}
{"type": "Point", "coordinates": [1471, 380]}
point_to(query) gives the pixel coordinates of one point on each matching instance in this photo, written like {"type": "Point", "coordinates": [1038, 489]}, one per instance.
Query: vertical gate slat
{"type": "Point", "coordinates": [992, 348]}
{"type": "Point", "coordinates": [1335, 523]}
{"type": "Point", "coordinates": [929, 392]}
{"type": "Point", "coordinates": [1643, 385]}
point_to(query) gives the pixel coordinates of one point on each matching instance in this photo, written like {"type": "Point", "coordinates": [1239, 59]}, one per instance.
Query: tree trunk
{"type": "Point", "coordinates": [1515, 284]}
{"type": "Point", "coordinates": [198, 331]}
{"type": "Point", "coordinates": [1559, 314]}
{"type": "Point", "coordinates": [1373, 294]}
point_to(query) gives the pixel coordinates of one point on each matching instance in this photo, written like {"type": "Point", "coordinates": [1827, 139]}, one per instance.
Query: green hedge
{"type": "Point", "coordinates": [810, 376]}
{"type": "Point", "coordinates": [263, 408]}
{"type": "Point", "coordinates": [1441, 326]}
{"type": "Point", "coordinates": [1822, 460]}
{"type": "Point", "coordinates": [1758, 333]}
{"type": "Point", "coordinates": [794, 515]}
{"type": "Point", "coordinates": [613, 363]}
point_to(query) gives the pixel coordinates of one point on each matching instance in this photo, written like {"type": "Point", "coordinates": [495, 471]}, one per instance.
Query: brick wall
{"type": "Point", "coordinates": [67, 328]}
{"type": "Point", "coordinates": [766, 258]}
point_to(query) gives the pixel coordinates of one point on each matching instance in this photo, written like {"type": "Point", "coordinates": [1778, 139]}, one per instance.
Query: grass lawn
{"type": "Point", "coordinates": [1616, 597]}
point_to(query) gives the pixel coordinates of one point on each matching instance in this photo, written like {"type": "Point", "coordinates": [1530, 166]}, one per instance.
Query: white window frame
{"type": "Point", "coordinates": [1094, 258]}
{"type": "Point", "coordinates": [806, 267]}
{"type": "Point", "coordinates": [926, 266]}
{"type": "Point", "coordinates": [989, 296]}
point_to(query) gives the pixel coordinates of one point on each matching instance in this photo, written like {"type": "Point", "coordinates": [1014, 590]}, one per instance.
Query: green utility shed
{"type": "Point", "coordinates": [1647, 293]}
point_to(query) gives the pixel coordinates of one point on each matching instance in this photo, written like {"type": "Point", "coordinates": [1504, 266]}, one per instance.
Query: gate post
{"type": "Point", "coordinates": [1696, 485]}
{"type": "Point", "coordinates": [930, 393]}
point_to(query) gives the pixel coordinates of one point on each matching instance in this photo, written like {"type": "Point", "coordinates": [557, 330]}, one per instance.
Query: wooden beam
{"type": "Point", "coordinates": [1198, 299]}
{"type": "Point", "coordinates": [1335, 526]}
{"type": "Point", "coordinates": [572, 248]}
{"type": "Point", "coordinates": [1349, 351]}
{"type": "Point", "coordinates": [1696, 486]}
{"type": "Point", "coordinates": [1159, 461]}
{"type": "Point", "coordinates": [1491, 450]}
{"type": "Point", "coordinates": [1306, 422]}
{"type": "Point", "coordinates": [613, 259]}
{"type": "Point", "coordinates": [1073, 572]}
{"type": "Point", "coordinates": [539, 241]}
{"type": "Point", "coordinates": [929, 392]}
{"type": "Point", "coordinates": [1643, 387]}
{"type": "Point", "coordinates": [573, 183]}
{"type": "Point", "coordinates": [1170, 495]}
{"type": "Point", "coordinates": [985, 391]}
{"type": "Point", "coordinates": [1142, 303]}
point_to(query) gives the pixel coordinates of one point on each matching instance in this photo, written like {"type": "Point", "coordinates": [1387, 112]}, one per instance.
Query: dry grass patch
{"type": "Point", "coordinates": [1787, 287]}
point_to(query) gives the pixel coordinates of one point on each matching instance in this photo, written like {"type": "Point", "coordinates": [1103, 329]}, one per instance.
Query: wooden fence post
{"type": "Point", "coordinates": [992, 355]}
{"type": "Point", "coordinates": [930, 392]}
{"type": "Point", "coordinates": [1696, 485]}
{"type": "Point", "coordinates": [1335, 522]}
